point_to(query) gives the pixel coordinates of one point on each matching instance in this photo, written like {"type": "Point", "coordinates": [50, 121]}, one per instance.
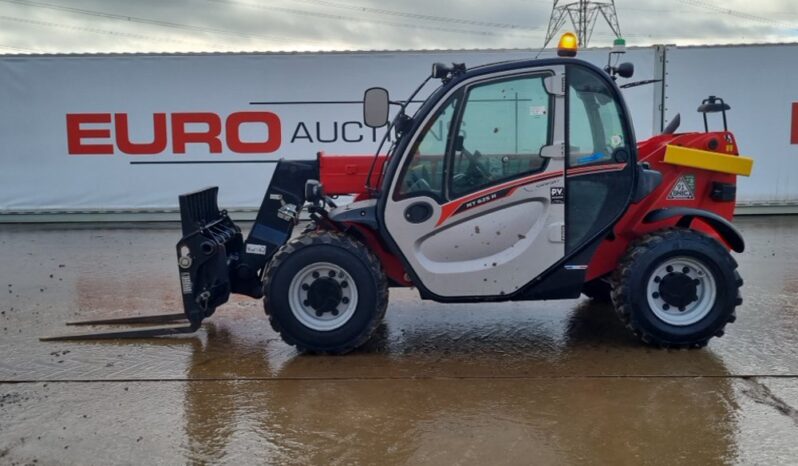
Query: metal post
{"type": "Point", "coordinates": [661, 73]}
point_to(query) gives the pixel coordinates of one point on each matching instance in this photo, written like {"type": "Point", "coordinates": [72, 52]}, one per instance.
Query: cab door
{"type": "Point", "coordinates": [477, 209]}
{"type": "Point", "coordinates": [600, 162]}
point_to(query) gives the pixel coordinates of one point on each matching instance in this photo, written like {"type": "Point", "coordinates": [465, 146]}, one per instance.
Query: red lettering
{"type": "Point", "coordinates": [183, 133]}
{"type": "Point", "coordinates": [794, 132]}
{"type": "Point", "coordinates": [157, 145]}
{"type": "Point", "coordinates": [76, 134]}
{"type": "Point", "coordinates": [181, 137]}
{"type": "Point", "coordinates": [273, 137]}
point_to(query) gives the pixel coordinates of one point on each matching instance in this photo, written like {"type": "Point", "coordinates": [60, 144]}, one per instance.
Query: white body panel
{"type": "Point", "coordinates": [485, 254]}
{"type": "Point", "coordinates": [496, 247]}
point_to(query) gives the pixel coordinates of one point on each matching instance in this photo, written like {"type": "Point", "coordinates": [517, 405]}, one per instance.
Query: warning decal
{"type": "Point", "coordinates": [684, 189]}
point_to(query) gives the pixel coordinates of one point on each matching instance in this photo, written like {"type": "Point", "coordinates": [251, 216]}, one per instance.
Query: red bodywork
{"type": "Point", "coordinates": [631, 226]}
{"type": "Point", "coordinates": [343, 175]}
{"type": "Point", "coordinates": [347, 175]}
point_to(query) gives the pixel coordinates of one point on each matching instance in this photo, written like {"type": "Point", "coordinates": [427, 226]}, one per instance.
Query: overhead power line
{"type": "Point", "coordinates": [358, 20]}
{"type": "Point", "coordinates": [154, 22]}
{"type": "Point", "coordinates": [50, 24]}
{"type": "Point", "coordinates": [425, 17]}
{"type": "Point", "coordinates": [731, 12]}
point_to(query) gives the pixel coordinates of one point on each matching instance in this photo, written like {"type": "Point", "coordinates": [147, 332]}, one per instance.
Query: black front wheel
{"type": "Point", "coordinates": [677, 288]}
{"type": "Point", "coordinates": [324, 292]}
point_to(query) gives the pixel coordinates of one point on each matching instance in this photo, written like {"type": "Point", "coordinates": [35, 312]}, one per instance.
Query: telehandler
{"type": "Point", "coordinates": [513, 181]}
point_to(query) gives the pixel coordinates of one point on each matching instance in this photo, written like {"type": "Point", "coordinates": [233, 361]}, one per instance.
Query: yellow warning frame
{"type": "Point", "coordinates": [706, 160]}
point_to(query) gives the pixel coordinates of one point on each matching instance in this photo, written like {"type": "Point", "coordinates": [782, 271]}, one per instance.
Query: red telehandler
{"type": "Point", "coordinates": [513, 181]}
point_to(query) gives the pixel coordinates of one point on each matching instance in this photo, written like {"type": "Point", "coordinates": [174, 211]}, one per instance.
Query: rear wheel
{"type": "Point", "coordinates": [325, 292]}
{"type": "Point", "coordinates": [677, 288]}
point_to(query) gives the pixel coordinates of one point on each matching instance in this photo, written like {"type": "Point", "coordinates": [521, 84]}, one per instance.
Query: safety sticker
{"type": "Point", "coordinates": [557, 195]}
{"type": "Point", "coordinates": [684, 189]}
{"type": "Point", "coordinates": [259, 249]}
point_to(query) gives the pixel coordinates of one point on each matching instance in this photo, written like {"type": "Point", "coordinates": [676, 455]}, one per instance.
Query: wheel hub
{"type": "Point", "coordinates": [681, 290]}
{"type": "Point", "coordinates": [678, 289]}
{"type": "Point", "coordinates": [324, 295]}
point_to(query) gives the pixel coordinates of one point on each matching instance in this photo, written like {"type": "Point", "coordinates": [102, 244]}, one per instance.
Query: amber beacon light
{"type": "Point", "coordinates": [568, 45]}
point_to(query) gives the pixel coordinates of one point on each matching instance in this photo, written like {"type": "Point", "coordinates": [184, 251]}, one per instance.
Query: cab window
{"type": "Point", "coordinates": [503, 128]}
{"type": "Point", "coordinates": [594, 121]}
{"type": "Point", "coordinates": [423, 175]}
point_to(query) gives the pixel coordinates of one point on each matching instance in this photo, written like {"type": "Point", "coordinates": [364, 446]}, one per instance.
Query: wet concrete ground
{"type": "Point", "coordinates": [556, 382]}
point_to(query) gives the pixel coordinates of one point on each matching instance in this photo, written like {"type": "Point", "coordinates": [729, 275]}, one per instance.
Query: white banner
{"type": "Point", "coordinates": [120, 132]}
{"type": "Point", "coordinates": [759, 83]}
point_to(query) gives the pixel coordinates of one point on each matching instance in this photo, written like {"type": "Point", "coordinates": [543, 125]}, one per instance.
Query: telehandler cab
{"type": "Point", "coordinates": [514, 181]}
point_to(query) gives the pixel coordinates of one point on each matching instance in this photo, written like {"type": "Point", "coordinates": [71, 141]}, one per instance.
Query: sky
{"type": "Point", "coordinates": [88, 26]}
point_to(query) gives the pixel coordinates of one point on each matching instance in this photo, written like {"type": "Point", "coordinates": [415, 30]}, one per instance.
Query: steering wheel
{"type": "Point", "coordinates": [418, 184]}
{"type": "Point", "coordinates": [474, 160]}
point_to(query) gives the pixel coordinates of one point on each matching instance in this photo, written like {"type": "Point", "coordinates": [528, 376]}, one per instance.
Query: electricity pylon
{"type": "Point", "coordinates": [583, 15]}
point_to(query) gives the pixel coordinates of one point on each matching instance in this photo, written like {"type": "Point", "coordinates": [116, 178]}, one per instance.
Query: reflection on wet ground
{"type": "Point", "coordinates": [549, 382]}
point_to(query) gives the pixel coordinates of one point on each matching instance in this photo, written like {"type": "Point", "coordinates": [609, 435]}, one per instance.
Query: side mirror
{"type": "Point", "coordinates": [626, 70]}
{"type": "Point", "coordinates": [375, 107]}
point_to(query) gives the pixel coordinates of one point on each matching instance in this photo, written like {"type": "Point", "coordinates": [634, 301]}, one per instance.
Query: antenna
{"type": "Point", "coordinates": [583, 15]}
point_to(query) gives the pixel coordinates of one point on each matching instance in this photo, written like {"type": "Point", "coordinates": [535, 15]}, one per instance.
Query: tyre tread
{"type": "Point", "coordinates": [621, 291]}
{"type": "Point", "coordinates": [329, 238]}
